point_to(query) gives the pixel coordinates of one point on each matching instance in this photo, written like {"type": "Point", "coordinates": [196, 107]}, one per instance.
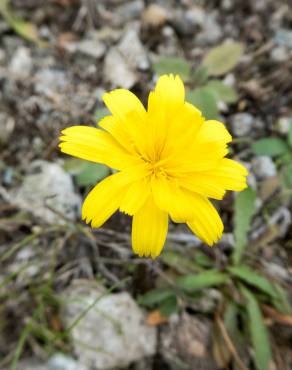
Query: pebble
{"type": "Point", "coordinates": [279, 54]}
{"type": "Point", "coordinates": [113, 333]}
{"type": "Point", "coordinates": [211, 31]}
{"type": "Point", "coordinates": [189, 340]}
{"type": "Point", "coordinates": [283, 125]}
{"type": "Point", "coordinates": [50, 81]}
{"type": "Point", "coordinates": [21, 63]}
{"type": "Point", "coordinates": [241, 124]}
{"type": "Point", "coordinates": [263, 167]}
{"type": "Point", "coordinates": [48, 184]}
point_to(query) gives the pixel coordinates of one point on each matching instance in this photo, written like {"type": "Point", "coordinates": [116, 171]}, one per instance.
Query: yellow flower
{"type": "Point", "coordinates": [170, 160]}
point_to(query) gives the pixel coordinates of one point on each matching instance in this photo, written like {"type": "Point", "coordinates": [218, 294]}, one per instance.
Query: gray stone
{"type": "Point", "coordinates": [117, 71]}
{"type": "Point", "coordinates": [130, 10]}
{"type": "Point", "coordinates": [123, 61]}
{"type": "Point", "coordinates": [283, 125]}
{"type": "Point", "coordinates": [113, 333]}
{"type": "Point", "coordinates": [21, 63]}
{"type": "Point", "coordinates": [211, 31]}
{"type": "Point", "coordinates": [48, 184]}
{"type": "Point", "coordinates": [186, 342]}
{"type": "Point", "coordinates": [50, 81]}
{"type": "Point", "coordinates": [62, 362]}
{"type": "Point", "coordinates": [7, 125]}
{"type": "Point", "coordinates": [58, 361]}
{"type": "Point", "coordinates": [263, 167]}
{"type": "Point", "coordinates": [241, 124]}
{"type": "Point", "coordinates": [133, 51]}
{"type": "Point", "coordinates": [279, 54]}
{"type": "Point", "coordinates": [91, 47]}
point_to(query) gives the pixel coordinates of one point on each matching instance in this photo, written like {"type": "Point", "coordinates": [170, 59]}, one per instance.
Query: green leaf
{"type": "Point", "coordinates": [180, 263]}
{"type": "Point", "coordinates": [100, 113]}
{"type": "Point", "coordinates": [87, 173]}
{"type": "Point", "coordinates": [243, 213]}
{"type": "Point", "coordinates": [287, 175]}
{"type": "Point", "coordinates": [281, 302]}
{"type": "Point", "coordinates": [203, 98]}
{"type": "Point", "coordinates": [204, 279]}
{"type": "Point", "coordinates": [168, 306]}
{"type": "Point", "coordinates": [155, 296]}
{"type": "Point", "coordinates": [222, 92]}
{"type": "Point", "coordinates": [200, 76]}
{"type": "Point", "coordinates": [23, 28]}
{"type": "Point", "coordinates": [254, 279]}
{"type": "Point", "coordinates": [167, 65]}
{"type": "Point", "coordinates": [258, 331]}
{"type": "Point", "coordinates": [270, 146]}
{"type": "Point", "coordinates": [223, 58]}
{"type": "Point", "coordinates": [91, 174]}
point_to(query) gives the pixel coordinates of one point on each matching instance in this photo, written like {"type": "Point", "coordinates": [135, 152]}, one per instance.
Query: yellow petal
{"type": "Point", "coordinates": [105, 198]}
{"type": "Point", "coordinates": [135, 196]}
{"type": "Point", "coordinates": [170, 89]}
{"type": "Point", "coordinates": [206, 224]}
{"type": "Point", "coordinates": [213, 131]}
{"type": "Point", "coordinates": [228, 175]}
{"type": "Point", "coordinates": [120, 102]}
{"type": "Point", "coordinates": [149, 229]}
{"type": "Point", "coordinates": [96, 145]}
{"type": "Point", "coordinates": [171, 198]}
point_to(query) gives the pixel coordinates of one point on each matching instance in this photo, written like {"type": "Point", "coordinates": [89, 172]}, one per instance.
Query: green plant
{"type": "Point", "coordinates": [281, 150]}
{"type": "Point", "coordinates": [244, 287]}
{"type": "Point", "coordinates": [206, 93]}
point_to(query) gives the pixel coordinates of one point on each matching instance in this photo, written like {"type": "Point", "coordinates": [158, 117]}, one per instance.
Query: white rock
{"type": "Point", "coordinates": [113, 333]}
{"type": "Point", "coordinates": [188, 340]}
{"type": "Point", "coordinates": [279, 54]}
{"type": "Point", "coordinates": [241, 124]}
{"type": "Point", "coordinates": [91, 47]}
{"type": "Point", "coordinates": [263, 167]}
{"type": "Point", "coordinates": [21, 62]}
{"type": "Point", "coordinates": [48, 184]}
{"type": "Point", "coordinates": [117, 71]}
{"type": "Point", "coordinates": [133, 51]}
{"type": "Point", "coordinates": [58, 361]}
{"type": "Point", "coordinates": [283, 125]}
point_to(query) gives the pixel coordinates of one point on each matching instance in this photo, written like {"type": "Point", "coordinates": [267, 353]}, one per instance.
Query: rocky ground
{"type": "Point", "coordinates": [76, 299]}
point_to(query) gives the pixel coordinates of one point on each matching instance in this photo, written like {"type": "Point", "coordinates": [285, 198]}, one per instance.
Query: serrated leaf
{"type": "Point", "coordinates": [243, 213]}
{"type": "Point", "coordinates": [254, 279]}
{"type": "Point", "coordinates": [258, 332]}
{"type": "Point", "coordinates": [91, 174]}
{"type": "Point", "coordinates": [270, 146]}
{"type": "Point", "coordinates": [167, 65]}
{"type": "Point", "coordinates": [155, 296]}
{"type": "Point", "coordinates": [204, 99]}
{"type": "Point", "coordinates": [100, 113]}
{"type": "Point", "coordinates": [223, 58]}
{"type": "Point", "coordinates": [201, 280]}
{"type": "Point", "coordinates": [23, 28]}
{"type": "Point", "coordinates": [222, 92]}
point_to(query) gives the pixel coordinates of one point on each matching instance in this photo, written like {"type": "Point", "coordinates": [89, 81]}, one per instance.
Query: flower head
{"type": "Point", "coordinates": [169, 159]}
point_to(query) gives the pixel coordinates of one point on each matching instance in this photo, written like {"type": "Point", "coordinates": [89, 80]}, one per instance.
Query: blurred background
{"type": "Point", "coordinates": [72, 298]}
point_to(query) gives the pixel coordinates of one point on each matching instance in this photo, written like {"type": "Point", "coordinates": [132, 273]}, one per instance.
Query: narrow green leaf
{"type": "Point", "coordinates": [155, 296]}
{"type": "Point", "coordinates": [223, 58]}
{"type": "Point", "coordinates": [258, 332]}
{"type": "Point", "coordinates": [173, 65]}
{"type": "Point", "coordinates": [202, 280]}
{"type": "Point", "coordinates": [270, 146]}
{"type": "Point", "coordinates": [243, 213]}
{"type": "Point", "coordinates": [222, 92]}
{"type": "Point", "coordinates": [200, 76]}
{"type": "Point", "coordinates": [254, 279]}
{"type": "Point", "coordinates": [203, 98]}
{"type": "Point", "coordinates": [180, 263]}
{"type": "Point", "coordinates": [23, 28]}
